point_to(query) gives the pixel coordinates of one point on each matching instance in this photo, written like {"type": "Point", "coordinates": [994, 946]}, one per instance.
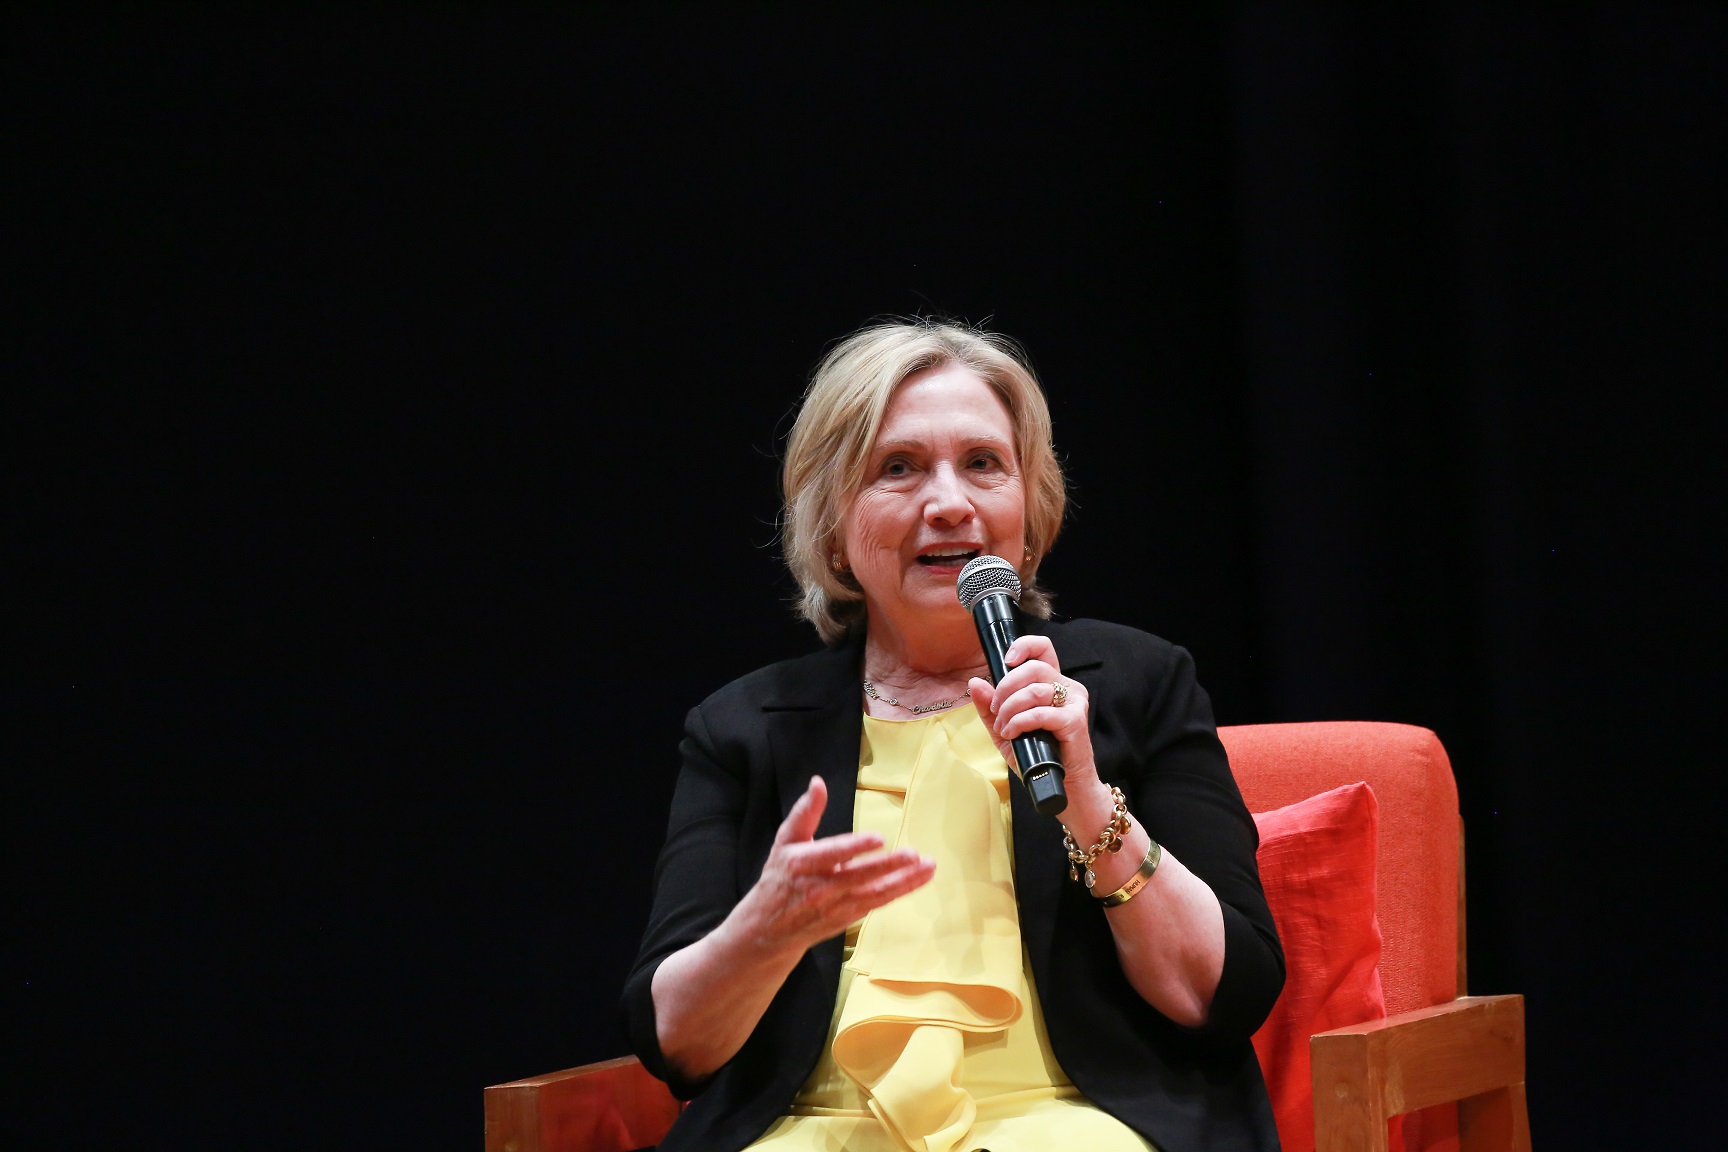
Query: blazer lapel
{"type": "Point", "coordinates": [1040, 860]}
{"type": "Point", "coordinates": [815, 727]}
{"type": "Point", "coordinates": [1040, 870]}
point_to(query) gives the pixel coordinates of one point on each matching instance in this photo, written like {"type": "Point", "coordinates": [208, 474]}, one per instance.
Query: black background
{"type": "Point", "coordinates": [393, 402]}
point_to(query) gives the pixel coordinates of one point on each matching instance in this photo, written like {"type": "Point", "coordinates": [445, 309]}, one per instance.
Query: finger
{"type": "Point", "coordinates": [1052, 720]}
{"type": "Point", "coordinates": [983, 695]}
{"type": "Point", "coordinates": [1035, 695]}
{"type": "Point", "coordinates": [830, 852]}
{"type": "Point", "coordinates": [868, 897]}
{"type": "Point", "coordinates": [1031, 647]}
{"type": "Point", "coordinates": [1028, 674]}
{"type": "Point", "coordinates": [800, 823]}
{"type": "Point", "coordinates": [866, 869]}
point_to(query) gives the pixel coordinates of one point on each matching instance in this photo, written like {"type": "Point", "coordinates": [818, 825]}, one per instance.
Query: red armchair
{"type": "Point", "coordinates": [1455, 1063]}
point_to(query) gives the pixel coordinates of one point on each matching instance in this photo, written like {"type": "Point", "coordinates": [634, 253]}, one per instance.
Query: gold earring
{"type": "Point", "coordinates": [836, 564]}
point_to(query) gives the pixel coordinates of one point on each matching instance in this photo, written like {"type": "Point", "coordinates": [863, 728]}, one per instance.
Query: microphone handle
{"type": "Point", "coordinates": [1035, 752]}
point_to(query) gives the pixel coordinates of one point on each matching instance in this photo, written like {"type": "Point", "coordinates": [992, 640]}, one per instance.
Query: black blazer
{"type": "Point", "coordinates": [750, 749]}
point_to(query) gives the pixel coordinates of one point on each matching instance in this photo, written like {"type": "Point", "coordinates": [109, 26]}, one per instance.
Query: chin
{"type": "Point", "coordinates": [940, 604]}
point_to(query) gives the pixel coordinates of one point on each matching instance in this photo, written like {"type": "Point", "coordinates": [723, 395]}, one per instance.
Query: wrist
{"type": "Point", "coordinates": [1125, 873]}
{"type": "Point", "coordinates": [1112, 842]}
{"type": "Point", "coordinates": [751, 942]}
{"type": "Point", "coordinates": [1083, 857]}
{"type": "Point", "coordinates": [1090, 806]}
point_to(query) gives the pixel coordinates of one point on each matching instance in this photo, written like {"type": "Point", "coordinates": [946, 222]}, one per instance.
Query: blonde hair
{"type": "Point", "coordinates": [837, 423]}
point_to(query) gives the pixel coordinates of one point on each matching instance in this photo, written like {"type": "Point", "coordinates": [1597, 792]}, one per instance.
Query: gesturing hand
{"type": "Point", "coordinates": [812, 889]}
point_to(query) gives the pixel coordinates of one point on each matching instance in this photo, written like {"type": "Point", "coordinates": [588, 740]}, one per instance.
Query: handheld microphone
{"type": "Point", "coordinates": [989, 588]}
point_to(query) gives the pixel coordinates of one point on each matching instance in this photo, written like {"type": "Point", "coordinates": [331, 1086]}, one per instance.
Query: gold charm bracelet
{"type": "Point", "coordinates": [1109, 840]}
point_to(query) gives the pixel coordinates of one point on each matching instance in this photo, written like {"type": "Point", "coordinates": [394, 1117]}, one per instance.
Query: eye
{"type": "Point", "coordinates": [895, 466]}
{"type": "Point", "coordinates": [984, 460]}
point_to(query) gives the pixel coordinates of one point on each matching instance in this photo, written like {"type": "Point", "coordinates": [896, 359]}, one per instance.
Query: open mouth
{"type": "Point", "coordinates": [956, 557]}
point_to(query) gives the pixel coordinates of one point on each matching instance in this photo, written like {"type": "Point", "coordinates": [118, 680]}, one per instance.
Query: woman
{"type": "Point", "coordinates": [863, 935]}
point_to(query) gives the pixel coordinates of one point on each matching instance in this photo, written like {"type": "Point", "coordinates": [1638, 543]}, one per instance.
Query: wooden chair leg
{"type": "Point", "coordinates": [1349, 1106]}
{"type": "Point", "coordinates": [1497, 1121]}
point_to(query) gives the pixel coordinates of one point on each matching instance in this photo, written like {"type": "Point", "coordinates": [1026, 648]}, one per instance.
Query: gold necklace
{"type": "Point", "coordinates": [919, 709]}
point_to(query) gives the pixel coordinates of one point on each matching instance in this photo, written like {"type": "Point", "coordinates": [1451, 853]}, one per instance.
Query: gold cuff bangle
{"type": "Point", "coordinates": [1137, 881]}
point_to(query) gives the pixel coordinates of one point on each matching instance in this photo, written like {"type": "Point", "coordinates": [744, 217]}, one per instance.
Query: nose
{"type": "Point", "coordinates": [946, 501]}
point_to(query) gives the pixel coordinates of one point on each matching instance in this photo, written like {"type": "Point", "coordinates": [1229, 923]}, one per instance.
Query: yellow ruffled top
{"type": "Point", "coordinates": [937, 1043]}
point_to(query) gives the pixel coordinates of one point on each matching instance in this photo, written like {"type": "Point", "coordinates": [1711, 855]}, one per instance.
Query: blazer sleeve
{"type": "Point", "coordinates": [1191, 805]}
{"type": "Point", "coordinates": [695, 882]}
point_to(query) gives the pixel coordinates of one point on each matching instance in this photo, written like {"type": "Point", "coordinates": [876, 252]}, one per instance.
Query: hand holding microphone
{"type": "Point", "coordinates": [989, 587]}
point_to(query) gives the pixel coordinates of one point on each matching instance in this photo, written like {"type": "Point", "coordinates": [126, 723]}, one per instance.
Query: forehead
{"type": "Point", "coordinates": [948, 401]}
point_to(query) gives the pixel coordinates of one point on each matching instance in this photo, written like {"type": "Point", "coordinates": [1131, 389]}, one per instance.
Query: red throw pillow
{"type": "Point", "coordinates": [1317, 864]}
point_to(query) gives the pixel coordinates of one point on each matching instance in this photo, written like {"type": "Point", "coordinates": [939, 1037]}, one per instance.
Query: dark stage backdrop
{"type": "Point", "coordinates": [393, 405]}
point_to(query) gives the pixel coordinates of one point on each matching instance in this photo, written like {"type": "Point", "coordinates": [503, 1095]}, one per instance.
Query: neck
{"type": "Point", "coordinates": [927, 653]}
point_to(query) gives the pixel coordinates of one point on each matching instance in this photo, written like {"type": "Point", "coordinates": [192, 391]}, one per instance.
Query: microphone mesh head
{"type": "Point", "coordinates": [984, 575]}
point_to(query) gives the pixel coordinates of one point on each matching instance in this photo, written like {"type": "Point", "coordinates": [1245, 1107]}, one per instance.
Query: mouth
{"type": "Point", "coordinates": [955, 557]}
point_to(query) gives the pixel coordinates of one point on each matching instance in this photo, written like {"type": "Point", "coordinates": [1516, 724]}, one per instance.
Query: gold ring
{"type": "Point", "coordinates": [1061, 694]}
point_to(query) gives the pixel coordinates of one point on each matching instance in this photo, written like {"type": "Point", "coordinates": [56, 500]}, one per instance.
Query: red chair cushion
{"type": "Point", "coordinates": [1417, 863]}
{"type": "Point", "coordinates": [1317, 864]}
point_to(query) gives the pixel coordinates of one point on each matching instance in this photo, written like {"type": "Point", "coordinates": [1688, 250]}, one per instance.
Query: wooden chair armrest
{"type": "Point", "coordinates": [613, 1106]}
{"type": "Point", "coordinates": [1470, 1050]}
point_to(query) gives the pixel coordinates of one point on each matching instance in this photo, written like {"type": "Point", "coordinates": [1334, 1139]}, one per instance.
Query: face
{"type": "Point", "coordinates": [942, 484]}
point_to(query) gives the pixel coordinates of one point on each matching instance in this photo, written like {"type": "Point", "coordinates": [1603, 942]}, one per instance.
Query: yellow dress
{"type": "Point", "coordinates": [937, 1042]}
